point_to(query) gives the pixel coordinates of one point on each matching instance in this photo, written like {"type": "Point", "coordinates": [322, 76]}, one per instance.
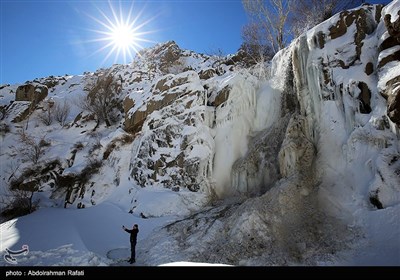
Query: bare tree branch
{"type": "Point", "coordinates": [101, 99]}
{"type": "Point", "coordinates": [308, 13]}
{"type": "Point", "coordinates": [255, 43]}
{"type": "Point", "coordinates": [62, 111]}
{"type": "Point", "coordinates": [32, 148]}
{"type": "Point", "coordinates": [272, 15]}
{"type": "Point", "coordinates": [280, 20]}
{"type": "Point", "coordinates": [46, 117]}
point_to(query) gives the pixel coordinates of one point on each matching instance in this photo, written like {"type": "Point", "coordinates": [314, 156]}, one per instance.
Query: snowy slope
{"type": "Point", "coordinates": [294, 162]}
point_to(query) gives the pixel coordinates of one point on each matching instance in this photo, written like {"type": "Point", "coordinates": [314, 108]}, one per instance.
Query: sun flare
{"type": "Point", "coordinates": [121, 33]}
{"type": "Point", "coordinates": [122, 36]}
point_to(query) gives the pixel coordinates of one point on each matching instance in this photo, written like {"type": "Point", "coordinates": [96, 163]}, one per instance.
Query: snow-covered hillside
{"type": "Point", "coordinates": [293, 162]}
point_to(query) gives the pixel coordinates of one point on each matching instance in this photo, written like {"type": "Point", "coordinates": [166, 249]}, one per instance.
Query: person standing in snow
{"type": "Point", "coordinates": [134, 231]}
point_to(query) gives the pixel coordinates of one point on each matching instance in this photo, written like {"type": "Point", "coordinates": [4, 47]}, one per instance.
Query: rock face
{"type": "Point", "coordinates": [31, 92]}
{"type": "Point", "coordinates": [163, 92]}
{"type": "Point", "coordinates": [302, 144]}
{"type": "Point", "coordinates": [26, 98]}
{"type": "Point", "coordinates": [205, 123]}
{"type": "Point", "coordinates": [331, 120]}
{"type": "Point", "coordinates": [333, 74]}
{"type": "Point", "coordinates": [202, 123]}
{"type": "Point", "coordinates": [389, 59]}
{"type": "Point", "coordinates": [170, 119]}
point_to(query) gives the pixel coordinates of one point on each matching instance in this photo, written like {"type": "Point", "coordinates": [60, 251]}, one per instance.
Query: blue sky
{"type": "Point", "coordinates": [42, 38]}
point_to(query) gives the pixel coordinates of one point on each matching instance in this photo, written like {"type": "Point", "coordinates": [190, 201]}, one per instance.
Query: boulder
{"type": "Point", "coordinates": [31, 92]}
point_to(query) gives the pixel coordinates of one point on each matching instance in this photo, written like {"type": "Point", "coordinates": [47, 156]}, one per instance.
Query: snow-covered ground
{"type": "Point", "coordinates": [78, 237]}
{"type": "Point", "coordinates": [94, 237]}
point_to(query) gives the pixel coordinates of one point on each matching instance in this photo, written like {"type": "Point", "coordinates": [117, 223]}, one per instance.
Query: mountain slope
{"type": "Point", "coordinates": [290, 163]}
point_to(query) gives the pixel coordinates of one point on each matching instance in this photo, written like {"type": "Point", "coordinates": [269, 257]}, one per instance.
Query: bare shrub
{"type": "Point", "coordinates": [17, 198]}
{"type": "Point", "coordinates": [46, 117]}
{"type": "Point", "coordinates": [75, 183]}
{"type": "Point", "coordinates": [12, 168]}
{"type": "Point", "coordinates": [17, 203]}
{"type": "Point", "coordinates": [109, 150]}
{"type": "Point", "coordinates": [4, 128]}
{"type": "Point", "coordinates": [255, 44]}
{"type": "Point", "coordinates": [308, 13]}
{"type": "Point", "coordinates": [101, 99]}
{"type": "Point", "coordinates": [78, 146]}
{"type": "Point", "coordinates": [127, 138]}
{"type": "Point", "coordinates": [61, 112]}
{"type": "Point", "coordinates": [218, 52]}
{"type": "Point", "coordinates": [3, 112]}
{"type": "Point", "coordinates": [92, 167]}
{"type": "Point", "coordinates": [124, 139]}
{"type": "Point", "coordinates": [32, 148]}
{"type": "Point", "coordinates": [96, 146]}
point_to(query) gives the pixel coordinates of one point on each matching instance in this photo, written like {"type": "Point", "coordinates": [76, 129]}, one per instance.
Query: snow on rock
{"type": "Point", "coordinates": [388, 60]}
{"type": "Point", "coordinates": [338, 160]}
{"type": "Point", "coordinates": [170, 145]}
{"type": "Point", "coordinates": [292, 162]}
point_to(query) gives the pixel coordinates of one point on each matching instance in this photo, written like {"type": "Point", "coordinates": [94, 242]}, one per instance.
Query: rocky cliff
{"type": "Point", "coordinates": [300, 150]}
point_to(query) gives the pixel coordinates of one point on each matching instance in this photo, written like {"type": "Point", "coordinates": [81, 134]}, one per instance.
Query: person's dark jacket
{"type": "Point", "coordinates": [134, 231]}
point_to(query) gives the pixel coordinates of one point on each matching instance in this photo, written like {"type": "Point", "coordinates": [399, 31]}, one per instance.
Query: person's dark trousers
{"type": "Point", "coordinates": [133, 245]}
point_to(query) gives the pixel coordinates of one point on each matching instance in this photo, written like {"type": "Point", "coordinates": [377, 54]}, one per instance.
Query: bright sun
{"type": "Point", "coordinates": [122, 34]}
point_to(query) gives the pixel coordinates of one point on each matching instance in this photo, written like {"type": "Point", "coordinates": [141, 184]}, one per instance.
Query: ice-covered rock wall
{"type": "Point", "coordinates": [326, 114]}
{"type": "Point", "coordinates": [237, 139]}
{"type": "Point", "coordinates": [323, 160]}
{"type": "Point", "coordinates": [191, 127]}
{"type": "Point", "coordinates": [336, 70]}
